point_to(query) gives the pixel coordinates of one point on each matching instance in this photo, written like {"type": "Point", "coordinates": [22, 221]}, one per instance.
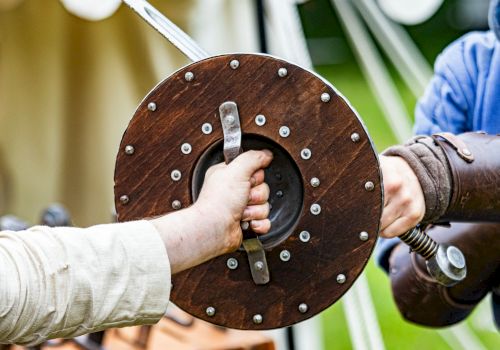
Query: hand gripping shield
{"type": "Point", "coordinates": [325, 184]}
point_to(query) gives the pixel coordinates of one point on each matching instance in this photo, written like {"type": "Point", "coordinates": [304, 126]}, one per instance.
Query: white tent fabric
{"type": "Point", "coordinates": [410, 12]}
{"type": "Point", "coordinates": [92, 10]}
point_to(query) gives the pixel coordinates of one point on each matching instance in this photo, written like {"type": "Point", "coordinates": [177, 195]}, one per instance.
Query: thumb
{"type": "Point", "coordinates": [247, 163]}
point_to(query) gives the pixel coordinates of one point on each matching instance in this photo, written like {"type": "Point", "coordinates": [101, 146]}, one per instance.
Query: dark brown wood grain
{"type": "Point", "coordinates": [343, 166]}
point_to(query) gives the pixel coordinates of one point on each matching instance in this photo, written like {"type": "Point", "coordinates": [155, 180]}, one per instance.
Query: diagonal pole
{"type": "Point", "coordinates": [168, 29]}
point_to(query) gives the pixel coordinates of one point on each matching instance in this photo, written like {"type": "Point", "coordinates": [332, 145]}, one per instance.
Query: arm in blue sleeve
{"type": "Point", "coordinates": [447, 105]}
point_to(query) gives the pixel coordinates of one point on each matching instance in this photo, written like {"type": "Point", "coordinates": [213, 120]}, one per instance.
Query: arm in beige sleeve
{"type": "Point", "coordinates": [64, 282]}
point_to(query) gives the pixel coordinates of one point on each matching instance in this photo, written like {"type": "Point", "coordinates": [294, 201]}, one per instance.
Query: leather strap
{"type": "Point", "coordinates": [474, 161]}
{"type": "Point", "coordinates": [458, 145]}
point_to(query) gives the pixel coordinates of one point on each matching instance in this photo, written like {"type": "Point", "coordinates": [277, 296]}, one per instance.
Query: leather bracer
{"type": "Point", "coordinates": [474, 161]}
{"type": "Point", "coordinates": [422, 300]}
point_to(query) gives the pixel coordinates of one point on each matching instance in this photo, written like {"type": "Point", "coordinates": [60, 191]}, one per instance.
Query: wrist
{"type": "Point", "coordinates": [215, 227]}
{"type": "Point", "coordinates": [182, 236]}
{"type": "Point", "coordinates": [426, 161]}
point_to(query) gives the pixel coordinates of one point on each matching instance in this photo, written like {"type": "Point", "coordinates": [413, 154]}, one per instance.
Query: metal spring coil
{"type": "Point", "coordinates": [420, 242]}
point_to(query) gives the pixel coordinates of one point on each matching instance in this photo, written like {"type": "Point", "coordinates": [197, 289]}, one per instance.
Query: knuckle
{"type": "Point", "coordinates": [406, 198]}
{"type": "Point", "coordinates": [266, 209]}
{"type": "Point", "coordinates": [394, 185]}
{"type": "Point", "coordinates": [414, 215]}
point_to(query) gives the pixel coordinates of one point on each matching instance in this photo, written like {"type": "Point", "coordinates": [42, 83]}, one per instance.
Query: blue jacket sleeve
{"type": "Point", "coordinates": [448, 101]}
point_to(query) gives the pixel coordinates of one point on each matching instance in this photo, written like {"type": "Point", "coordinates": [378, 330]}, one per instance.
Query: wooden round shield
{"type": "Point", "coordinates": [325, 183]}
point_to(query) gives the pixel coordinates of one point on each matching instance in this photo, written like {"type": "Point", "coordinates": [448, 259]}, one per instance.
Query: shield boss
{"type": "Point", "coordinates": [325, 184]}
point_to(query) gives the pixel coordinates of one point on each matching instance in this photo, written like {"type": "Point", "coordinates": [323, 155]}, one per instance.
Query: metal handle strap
{"type": "Point", "coordinates": [231, 128]}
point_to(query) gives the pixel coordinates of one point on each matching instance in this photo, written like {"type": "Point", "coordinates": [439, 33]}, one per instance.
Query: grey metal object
{"type": "Point", "coordinates": [325, 97]}
{"type": "Point", "coordinates": [260, 120]}
{"type": "Point", "coordinates": [55, 215]}
{"type": "Point", "coordinates": [124, 199]}
{"type": "Point", "coordinates": [284, 131]}
{"type": "Point", "coordinates": [210, 311]}
{"type": "Point", "coordinates": [232, 263]}
{"type": "Point", "coordinates": [369, 186]}
{"type": "Point", "coordinates": [206, 128]}
{"type": "Point", "coordinates": [176, 204]}
{"type": "Point", "coordinates": [168, 29]}
{"type": "Point", "coordinates": [315, 182]}
{"type": "Point", "coordinates": [189, 76]}
{"type": "Point", "coordinates": [152, 106]}
{"type": "Point", "coordinates": [230, 121]}
{"type": "Point", "coordinates": [12, 223]}
{"type": "Point", "coordinates": [234, 64]}
{"type": "Point", "coordinates": [445, 263]}
{"type": "Point", "coordinates": [282, 72]}
{"type": "Point", "coordinates": [285, 255]}
{"type": "Point", "coordinates": [257, 319]}
{"type": "Point", "coordinates": [305, 154]}
{"type": "Point", "coordinates": [186, 148]}
{"type": "Point", "coordinates": [363, 235]}
{"type": "Point", "coordinates": [341, 278]}
{"type": "Point", "coordinates": [259, 265]}
{"type": "Point", "coordinates": [315, 209]}
{"type": "Point", "coordinates": [256, 257]}
{"type": "Point", "coordinates": [129, 149]}
{"type": "Point", "coordinates": [355, 137]}
{"type": "Point", "coordinates": [231, 128]}
{"type": "Point", "coordinates": [304, 236]}
{"type": "Point", "coordinates": [176, 175]}
{"type": "Point", "coordinates": [303, 308]}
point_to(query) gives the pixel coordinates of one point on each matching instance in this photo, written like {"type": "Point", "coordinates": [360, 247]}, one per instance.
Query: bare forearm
{"type": "Point", "coordinates": [187, 237]}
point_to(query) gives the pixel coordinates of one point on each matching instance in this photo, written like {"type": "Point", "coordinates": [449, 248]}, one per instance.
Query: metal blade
{"type": "Point", "coordinates": [168, 29]}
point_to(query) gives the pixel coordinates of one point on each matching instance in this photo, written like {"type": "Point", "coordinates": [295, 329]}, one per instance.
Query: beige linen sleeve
{"type": "Point", "coordinates": [64, 282]}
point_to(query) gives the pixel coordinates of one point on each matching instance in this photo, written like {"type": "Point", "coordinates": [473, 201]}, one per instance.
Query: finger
{"type": "Point", "coordinates": [246, 164]}
{"type": "Point", "coordinates": [260, 226]}
{"type": "Point", "coordinates": [390, 214]}
{"type": "Point", "coordinates": [259, 194]}
{"type": "Point", "coordinates": [256, 212]}
{"type": "Point", "coordinates": [257, 178]}
{"type": "Point", "coordinates": [397, 228]}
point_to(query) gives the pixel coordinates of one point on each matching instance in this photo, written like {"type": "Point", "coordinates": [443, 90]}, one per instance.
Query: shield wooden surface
{"type": "Point", "coordinates": [325, 183]}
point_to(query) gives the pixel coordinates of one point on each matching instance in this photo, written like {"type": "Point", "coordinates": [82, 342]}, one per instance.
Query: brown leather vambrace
{"type": "Point", "coordinates": [459, 175]}
{"type": "Point", "coordinates": [474, 162]}
{"type": "Point", "coordinates": [422, 300]}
